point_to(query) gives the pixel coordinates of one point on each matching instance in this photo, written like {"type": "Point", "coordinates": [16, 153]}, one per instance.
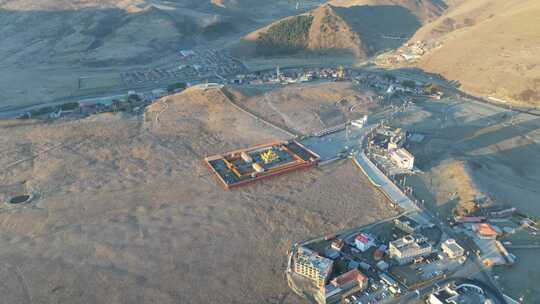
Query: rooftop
{"type": "Point", "coordinates": [309, 257]}
{"type": "Point", "coordinates": [362, 238]}
{"type": "Point", "coordinates": [402, 153]}
{"type": "Point", "coordinates": [410, 241]}
{"type": "Point", "coordinates": [445, 294]}
{"type": "Point", "coordinates": [244, 166]}
{"type": "Point", "coordinates": [485, 229]}
{"type": "Point", "coordinates": [353, 275]}
{"type": "Point", "coordinates": [452, 245]}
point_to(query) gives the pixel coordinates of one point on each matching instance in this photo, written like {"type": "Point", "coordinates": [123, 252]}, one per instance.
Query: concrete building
{"type": "Point", "coordinates": [313, 266]}
{"type": "Point", "coordinates": [408, 248]}
{"type": "Point", "coordinates": [390, 138]}
{"type": "Point", "coordinates": [402, 158]}
{"type": "Point", "coordinates": [363, 242]}
{"type": "Point", "coordinates": [407, 224]}
{"type": "Point", "coordinates": [452, 249]}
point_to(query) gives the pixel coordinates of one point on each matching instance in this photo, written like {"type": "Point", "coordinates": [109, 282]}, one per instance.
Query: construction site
{"type": "Point", "coordinates": [241, 167]}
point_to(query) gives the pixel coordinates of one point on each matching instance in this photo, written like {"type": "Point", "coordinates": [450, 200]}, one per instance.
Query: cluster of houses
{"type": "Point", "coordinates": [360, 264]}
{"type": "Point", "coordinates": [131, 102]}
{"type": "Point", "coordinates": [487, 228]}
{"type": "Point", "coordinates": [289, 76]}
{"type": "Point", "coordinates": [389, 85]}
{"type": "Point", "coordinates": [409, 52]}
{"type": "Point", "coordinates": [389, 143]}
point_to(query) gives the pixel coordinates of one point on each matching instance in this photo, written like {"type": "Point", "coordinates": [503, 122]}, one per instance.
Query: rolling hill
{"type": "Point", "coordinates": [490, 47]}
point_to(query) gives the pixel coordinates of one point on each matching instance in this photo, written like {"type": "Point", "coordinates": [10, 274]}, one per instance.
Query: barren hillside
{"type": "Point", "coordinates": [97, 35]}
{"type": "Point", "coordinates": [330, 31]}
{"type": "Point", "coordinates": [490, 47]}
{"type": "Point", "coordinates": [308, 108]}
{"type": "Point", "coordinates": [125, 211]}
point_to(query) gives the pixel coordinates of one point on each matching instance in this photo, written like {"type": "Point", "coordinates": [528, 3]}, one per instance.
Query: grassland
{"type": "Point", "coordinates": [125, 210]}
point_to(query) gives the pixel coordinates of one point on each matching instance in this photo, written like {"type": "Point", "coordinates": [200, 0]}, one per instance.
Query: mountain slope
{"type": "Point", "coordinates": [490, 47]}
{"type": "Point", "coordinates": [103, 33]}
{"type": "Point", "coordinates": [56, 5]}
{"type": "Point", "coordinates": [90, 36]}
{"type": "Point", "coordinates": [362, 30]}
{"type": "Point", "coordinates": [330, 31]}
{"type": "Point", "coordinates": [424, 10]}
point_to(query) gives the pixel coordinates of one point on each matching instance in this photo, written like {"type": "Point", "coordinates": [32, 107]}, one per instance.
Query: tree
{"type": "Point", "coordinates": [176, 86]}
{"type": "Point", "coordinates": [133, 98]}
{"type": "Point", "coordinates": [287, 37]}
{"type": "Point", "coordinates": [69, 106]}
{"type": "Point", "coordinates": [408, 84]}
{"type": "Point", "coordinates": [389, 77]}
{"type": "Point", "coordinates": [431, 89]}
{"type": "Point", "coordinates": [42, 111]}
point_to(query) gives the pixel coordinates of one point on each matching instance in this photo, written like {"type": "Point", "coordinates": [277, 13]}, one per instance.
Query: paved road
{"type": "Point", "coordinates": [418, 213]}
{"type": "Point", "coordinates": [336, 144]}
{"type": "Point", "coordinates": [379, 179]}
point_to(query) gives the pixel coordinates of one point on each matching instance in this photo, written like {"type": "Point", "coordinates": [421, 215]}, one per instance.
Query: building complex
{"type": "Point", "coordinates": [407, 248]}
{"type": "Point", "coordinates": [244, 166]}
{"type": "Point", "coordinates": [313, 266]}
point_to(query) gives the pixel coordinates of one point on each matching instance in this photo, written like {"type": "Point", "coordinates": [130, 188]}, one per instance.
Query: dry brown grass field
{"type": "Point", "coordinates": [125, 210]}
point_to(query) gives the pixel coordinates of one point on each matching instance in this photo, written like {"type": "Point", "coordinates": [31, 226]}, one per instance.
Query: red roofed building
{"type": "Point", "coordinates": [484, 230]}
{"type": "Point", "coordinates": [344, 285]}
{"type": "Point", "coordinates": [350, 278]}
{"type": "Point", "coordinates": [362, 242]}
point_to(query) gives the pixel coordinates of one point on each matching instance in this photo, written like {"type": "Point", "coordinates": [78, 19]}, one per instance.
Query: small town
{"type": "Point", "coordinates": [270, 152]}
{"type": "Point", "coordinates": [404, 257]}
{"type": "Point", "coordinates": [415, 255]}
{"type": "Point", "coordinates": [135, 102]}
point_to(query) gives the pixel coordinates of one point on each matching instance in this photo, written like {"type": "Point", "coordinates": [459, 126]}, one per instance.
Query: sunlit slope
{"type": "Point", "coordinates": [490, 47]}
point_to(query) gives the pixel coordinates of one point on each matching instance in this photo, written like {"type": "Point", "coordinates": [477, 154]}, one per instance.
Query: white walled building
{"type": "Point", "coordinates": [452, 248]}
{"type": "Point", "coordinates": [403, 158]}
{"type": "Point", "coordinates": [363, 242]}
{"type": "Point", "coordinates": [408, 248]}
